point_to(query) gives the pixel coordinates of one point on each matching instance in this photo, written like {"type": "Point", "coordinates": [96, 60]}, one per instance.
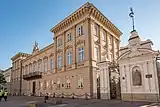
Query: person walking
{"type": "Point", "coordinates": [5, 95]}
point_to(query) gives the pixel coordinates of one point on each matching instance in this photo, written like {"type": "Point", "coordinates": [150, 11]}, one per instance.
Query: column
{"type": "Point", "coordinates": [100, 46]}
{"type": "Point", "coordinates": [128, 79]}
{"type": "Point", "coordinates": [74, 47]}
{"type": "Point", "coordinates": [95, 83]}
{"type": "Point", "coordinates": [55, 55]}
{"type": "Point", "coordinates": [145, 82]}
{"type": "Point", "coordinates": [152, 81]}
{"type": "Point", "coordinates": [64, 53]}
{"type": "Point", "coordinates": [113, 48]}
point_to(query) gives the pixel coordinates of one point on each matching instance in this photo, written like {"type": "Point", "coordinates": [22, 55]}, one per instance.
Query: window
{"type": "Point", "coordinates": [34, 66]}
{"type": "Point", "coordinates": [104, 36]}
{"type": "Point", "coordinates": [30, 67]}
{"type": "Point", "coordinates": [59, 42]}
{"type": "Point", "coordinates": [95, 30]}
{"type": "Point", "coordinates": [80, 81]}
{"type": "Point", "coordinates": [81, 54]}
{"type": "Point", "coordinates": [51, 64]}
{"type": "Point", "coordinates": [39, 66]}
{"type": "Point", "coordinates": [96, 52]}
{"type": "Point", "coordinates": [45, 65]}
{"type": "Point", "coordinates": [110, 39]}
{"type": "Point", "coordinates": [136, 76]}
{"type": "Point", "coordinates": [26, 69]}
{"type": "Point", "coordinates": [69, 36]}
{"type": "Point", "coordinates": [68, 83]}
{"type": "Point", "coordinates": [80, 30]}
{"type": "Point", "coordinates": [69, 58]}
{"type": "Point", "coordinates": [59, 61]}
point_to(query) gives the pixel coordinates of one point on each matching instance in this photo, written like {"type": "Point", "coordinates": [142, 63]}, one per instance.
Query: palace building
{"type": "Point", "coordinates": [68, 67]}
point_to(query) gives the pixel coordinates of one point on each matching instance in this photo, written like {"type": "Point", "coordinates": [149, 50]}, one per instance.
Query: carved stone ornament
{"type": "Point", "coordinates": [35, 48]}
{"type": "Point", "coordinates": [68, 47]}
{"type": "Point", "coordinates": [59, 50]}
{"type": "Point", "coordinates": [80, 42]}
{"type": "Point", "coordinates": [97, 42]}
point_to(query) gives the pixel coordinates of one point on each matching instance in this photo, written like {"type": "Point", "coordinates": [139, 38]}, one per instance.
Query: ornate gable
{"type": "Point", "coordinates": [136, 47]}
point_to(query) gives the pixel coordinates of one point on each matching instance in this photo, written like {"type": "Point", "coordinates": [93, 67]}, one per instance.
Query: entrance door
{"type": "Point", "coordinates": [34, 88]}
{"type": "Point", "coordinates": [115, 92]}
{"type": "Point", "coordinates": [98, 88]}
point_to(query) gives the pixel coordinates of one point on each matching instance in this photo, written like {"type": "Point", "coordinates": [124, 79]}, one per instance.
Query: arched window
{"type": "Point", "coordinates": [136, 76]}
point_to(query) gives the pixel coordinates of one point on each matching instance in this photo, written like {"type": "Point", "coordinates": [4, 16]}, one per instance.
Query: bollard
{"type": "Point", "coordinates": [86, 96]}
{"type": "Point", "coordinates": [32, 104]}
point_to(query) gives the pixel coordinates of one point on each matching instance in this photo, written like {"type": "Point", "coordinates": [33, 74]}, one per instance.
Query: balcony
{"type": "Point", "coordinates": [32, 75]}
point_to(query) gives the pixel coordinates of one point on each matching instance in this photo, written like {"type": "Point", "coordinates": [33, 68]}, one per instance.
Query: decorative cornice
{"type": "Point", "coordinates": [19, 55]}
{"type": "Point", "coordinates": [68, 47]}
{"type": "Point", "coordinates": [89, 9]}
{"type": "Point", "coordinates": [80, 42]}
{"type": "Point", "coordinates": [59, 50]}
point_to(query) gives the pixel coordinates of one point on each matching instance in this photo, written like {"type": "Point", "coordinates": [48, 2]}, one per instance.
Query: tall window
{"type": "Point", "coordinates": [80, 30]}
{"type": "Point", "coordinates": [59, 42]}
{"type": "Point", "coordinates": [51, 64]}
{"type": "Point", "coordinates": [45, 65]}
{"type": "Point", "coordinates": [30, 67]}
{"type": "Point", "coordinates": [95, 30]}
{"type": "Point", "coordinates": [104, 36]}
{"type": "Point", "coordinates": [39, 66]}
{"type": "Point", "coordinates": [26, 69]}
{"type": "Point", "coordinates": [34, 66]}
{"type": "Point", "coordinates": [81, 54]}
{"type": "Point", "coordinates": [59, 61]}
{"type": "Point", "coordinates": [96, 52]}
{"type": "Point", "coordinates": [69, 36]}
{"type": "Point", "coordinates": [80, 81]}
{"type": "Point", "coordinates": [69, 58]}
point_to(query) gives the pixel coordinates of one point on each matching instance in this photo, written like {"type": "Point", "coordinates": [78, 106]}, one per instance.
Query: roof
{"type": "Point", "coordinates": [87, 7]}
{"type": "Point", "coordinates": [18, 55]}
{"type": "Point", "coordinates": [42, 50]}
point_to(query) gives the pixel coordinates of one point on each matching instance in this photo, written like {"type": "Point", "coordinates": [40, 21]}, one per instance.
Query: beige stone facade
{"type": "Point", "coordinates": [7, 75]}
{"type": "Point", "coordinates": [69, 64]}
{"type": "Point", "coordinates": [16, 74]}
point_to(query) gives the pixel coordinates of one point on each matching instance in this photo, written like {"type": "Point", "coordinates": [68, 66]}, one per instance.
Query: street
{"type": "Point", "coordinates": [22, 101]}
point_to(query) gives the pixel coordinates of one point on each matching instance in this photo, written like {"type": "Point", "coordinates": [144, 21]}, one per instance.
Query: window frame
{"type": "Point", "coordinates": [59, 61]}
{"type": "Point", "coordinates": [81, 54]}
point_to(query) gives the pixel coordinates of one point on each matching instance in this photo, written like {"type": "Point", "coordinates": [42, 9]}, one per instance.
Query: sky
{"type": "Point", "coordinates": [22, 22]}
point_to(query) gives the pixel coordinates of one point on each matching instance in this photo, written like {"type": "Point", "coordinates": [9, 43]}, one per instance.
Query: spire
{"type": "Point", "coordinates": [131, 14]}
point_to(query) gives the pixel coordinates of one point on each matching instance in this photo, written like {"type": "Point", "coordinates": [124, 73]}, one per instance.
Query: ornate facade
{"type": "Point", "coordinates": [67, 66]}
{"type": "Point", "coordinates": [138, 70]}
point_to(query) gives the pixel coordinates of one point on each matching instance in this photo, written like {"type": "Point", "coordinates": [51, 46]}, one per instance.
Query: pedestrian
{"type": "Point", "coordinates": [5, 95]}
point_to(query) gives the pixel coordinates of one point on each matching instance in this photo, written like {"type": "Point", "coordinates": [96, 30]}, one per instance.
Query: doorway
{"type": "Point", "coordinates": [114, 80]}
{"type": "Point", "coordinates": [98, 88]}
{"type": "Point", "coordinates": [34, 88]}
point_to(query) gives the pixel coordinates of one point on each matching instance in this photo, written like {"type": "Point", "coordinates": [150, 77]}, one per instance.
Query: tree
{"type": "Point", "coordinates": [2, 79]}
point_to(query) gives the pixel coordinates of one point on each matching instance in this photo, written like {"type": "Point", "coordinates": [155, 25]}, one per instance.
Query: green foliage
{"type": "Point", "coordinates": [2, 79]}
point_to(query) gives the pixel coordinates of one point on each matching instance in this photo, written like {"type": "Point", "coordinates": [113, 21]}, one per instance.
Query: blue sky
{"type": "Point", "coordinates": [24, 21]}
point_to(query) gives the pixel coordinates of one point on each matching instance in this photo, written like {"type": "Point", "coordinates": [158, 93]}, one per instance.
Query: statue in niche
{"type": "Point", "coordinates": [136, 77]}
{"type": "Point", "coordinates": [35, 48]}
